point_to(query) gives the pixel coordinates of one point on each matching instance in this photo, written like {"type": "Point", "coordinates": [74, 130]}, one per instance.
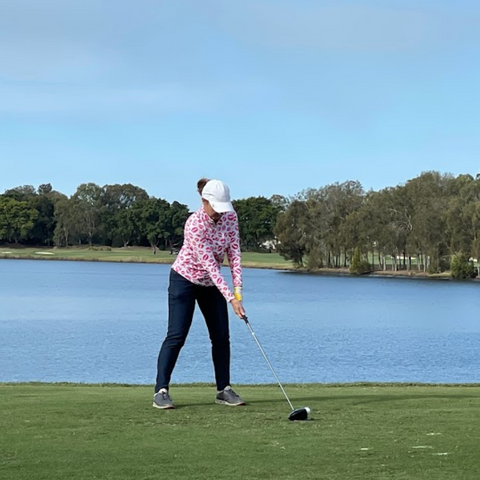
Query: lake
{"type": "Point", "coordinates": [104, 322]}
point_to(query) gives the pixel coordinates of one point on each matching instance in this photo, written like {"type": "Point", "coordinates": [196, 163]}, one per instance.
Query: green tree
{"type": "Point", "coordinates": [329, 237]}
{"type": "Point", "coordinates": [22, 193]}
{"type": "Point", "coordinates": [257, 217]}
{"type": "Point", "coordinates": [428, 194]}
{"type": "Point", "coordinates": [279, 202]}
{"type": "Point", "coordinates": [88, 201]}
{"type": "Point", "coordinates": [117, 221]}
{"type": "Point", "coordinates": [290, 231]}
{"type": "Point", "coordinates": [42, 201]}
{"type": "Point", "coordinates": [17, 219]}
{"type": "Point", "coordinates": [66, 221]}
{"type": "Point", "coordinates": [152, 216]}
{"type": "Point", "coordinates": [44, 204]}
{"type": "Point", "coordinates": [463, 215]}
{"type": "Point", "coordinates": [400, 214]}
{"type": "Point", "coordinates": [177, 216]}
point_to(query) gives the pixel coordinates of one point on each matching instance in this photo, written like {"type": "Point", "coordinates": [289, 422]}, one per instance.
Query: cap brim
{"type": "Point", "coordinates": [222, 207]}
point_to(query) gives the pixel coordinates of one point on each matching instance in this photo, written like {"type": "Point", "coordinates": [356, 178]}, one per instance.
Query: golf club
{"type": "Point", "coordinates": [296, 414]}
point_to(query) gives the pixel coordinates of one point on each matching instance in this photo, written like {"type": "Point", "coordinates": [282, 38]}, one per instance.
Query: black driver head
{"type": "Point", "coordinates": [299, 414]}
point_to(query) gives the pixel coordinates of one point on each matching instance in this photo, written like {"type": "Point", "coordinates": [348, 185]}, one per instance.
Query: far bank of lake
{"type": "Point", "coordinates": [145, 255]}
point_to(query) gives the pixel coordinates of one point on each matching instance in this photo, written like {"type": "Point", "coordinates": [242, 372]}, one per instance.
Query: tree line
{"type": "Point", "coordinates": [116, 216]}
{"type": "Point", "coordinates": [423, 224]}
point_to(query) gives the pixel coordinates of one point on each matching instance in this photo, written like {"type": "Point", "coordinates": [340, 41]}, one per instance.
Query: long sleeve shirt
{"type": "Point", "coordinates": [204, 248]}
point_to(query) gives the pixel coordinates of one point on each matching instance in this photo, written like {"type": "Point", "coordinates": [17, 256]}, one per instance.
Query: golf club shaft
{"type": "Point", "coordinates": [266, 358]}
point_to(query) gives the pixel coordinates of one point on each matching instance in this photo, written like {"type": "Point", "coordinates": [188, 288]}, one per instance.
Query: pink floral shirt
{"type": "Point", "coordinates": [204, 248]}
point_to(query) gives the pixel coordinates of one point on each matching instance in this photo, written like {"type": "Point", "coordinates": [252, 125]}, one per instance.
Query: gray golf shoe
{"type": "Point", "coordinates": [162, 400]}
{"type": "Point", "coordinates": [229, 397]}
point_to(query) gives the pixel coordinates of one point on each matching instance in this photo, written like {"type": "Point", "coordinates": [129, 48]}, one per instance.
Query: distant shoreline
{"type": "Point", "coordinates": [404, 274]}
{"type": "Point", "coordinates": [250, 260]}
{"type": "Point", "coordinates": [272, 261]}
{"type": "Point", "coordinates": [150, 262]}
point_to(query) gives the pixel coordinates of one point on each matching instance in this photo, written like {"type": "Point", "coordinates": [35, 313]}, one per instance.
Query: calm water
{"type": "Point", "coordinates": [102, 322]}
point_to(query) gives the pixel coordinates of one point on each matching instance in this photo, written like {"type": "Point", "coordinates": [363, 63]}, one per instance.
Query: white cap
{"type": "Point", "coordinates": [218, 195]}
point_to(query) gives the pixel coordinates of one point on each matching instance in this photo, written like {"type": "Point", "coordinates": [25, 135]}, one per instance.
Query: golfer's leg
{"type": "Point", "coordinates": [214, 308]}
{"type": "Point", "coordinates": [181, 304]}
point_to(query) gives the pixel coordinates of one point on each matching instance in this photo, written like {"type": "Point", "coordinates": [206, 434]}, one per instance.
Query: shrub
{"type": "Point", "coordinates": [359, 265]}
{"type": "Point", "coordinates": [461, 267]}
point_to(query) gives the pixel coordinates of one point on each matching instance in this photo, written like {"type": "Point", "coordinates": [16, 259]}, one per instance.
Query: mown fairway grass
{"type": "Point", "coordinates": [130, 254]}
{"type": "Point", "coordinates": [357, 432]}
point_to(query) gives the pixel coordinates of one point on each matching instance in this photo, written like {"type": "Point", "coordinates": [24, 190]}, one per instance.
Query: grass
{"type": "Point", "coordinates": [357, 432]}
{"type": "Point", "coordinates": [130, 254]}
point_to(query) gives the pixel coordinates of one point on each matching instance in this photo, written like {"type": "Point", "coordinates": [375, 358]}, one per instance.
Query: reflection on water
{"type": "Point", "coordinates": [102, 322]}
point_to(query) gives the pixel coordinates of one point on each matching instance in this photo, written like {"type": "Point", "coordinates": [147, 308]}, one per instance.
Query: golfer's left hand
{"type": "Point", "coordinates": [238, 308]}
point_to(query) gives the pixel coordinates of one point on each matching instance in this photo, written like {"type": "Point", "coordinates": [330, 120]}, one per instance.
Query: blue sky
{"type": "Point", "coordinates": [270, 96]}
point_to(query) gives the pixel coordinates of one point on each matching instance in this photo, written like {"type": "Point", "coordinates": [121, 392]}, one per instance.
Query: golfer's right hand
{"type": "Point", "coordinates": [238, 308]}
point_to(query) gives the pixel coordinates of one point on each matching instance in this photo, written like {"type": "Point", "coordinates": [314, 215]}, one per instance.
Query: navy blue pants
{"type": "Point", "coordinates": [182, 295]}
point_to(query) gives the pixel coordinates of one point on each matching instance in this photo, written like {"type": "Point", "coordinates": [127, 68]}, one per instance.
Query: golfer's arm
{"type": "Point", "coordinates": [234, 256]}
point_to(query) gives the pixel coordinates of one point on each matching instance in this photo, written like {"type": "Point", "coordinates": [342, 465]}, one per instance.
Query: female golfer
{"type": "Point", "coordinates": [196, 275]}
